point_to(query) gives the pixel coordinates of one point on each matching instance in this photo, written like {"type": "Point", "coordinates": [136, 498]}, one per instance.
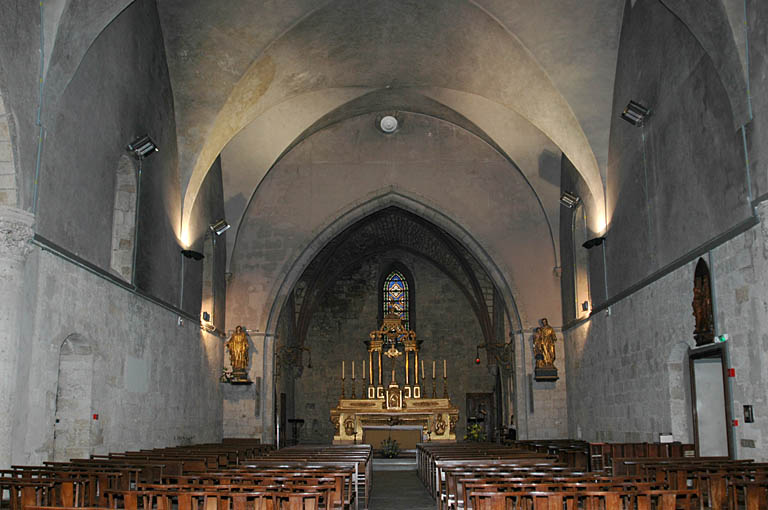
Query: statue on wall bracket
{"type": "Point", "coordinates": [544, 339]}
{"type": "Point", "coordinates": [237, 345]}
{"type": "Point", "coordinates": [704, 333]}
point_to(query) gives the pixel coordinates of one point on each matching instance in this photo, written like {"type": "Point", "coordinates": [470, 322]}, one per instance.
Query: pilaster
{"type": "Point", "coordinates": [16, 232]}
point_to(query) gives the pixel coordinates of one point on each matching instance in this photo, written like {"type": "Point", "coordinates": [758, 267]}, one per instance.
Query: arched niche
{"type": "Point", "coordinates": [72, 436]}
{"type": "Point", "coordinates": [702, 305]}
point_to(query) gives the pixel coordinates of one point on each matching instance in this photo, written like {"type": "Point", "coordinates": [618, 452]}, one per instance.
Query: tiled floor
{"type": "Point", "coordinates": [399, 490]}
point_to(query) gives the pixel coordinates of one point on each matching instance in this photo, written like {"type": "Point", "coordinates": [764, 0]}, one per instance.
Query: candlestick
{"type": "Point", "coordinates": [406, 368]}
{"type": "Point", "coordinates": [434, 388]}
{"type": "Point", "coordinates": [445, 387]}
{"type": "Point", "coordinates": [342, 388]}
{"type": "Point", "coordinates": [353, 383]}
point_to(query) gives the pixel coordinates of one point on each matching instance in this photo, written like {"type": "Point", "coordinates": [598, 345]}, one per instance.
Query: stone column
{"type": "Point", "coordinates": [15, 235]}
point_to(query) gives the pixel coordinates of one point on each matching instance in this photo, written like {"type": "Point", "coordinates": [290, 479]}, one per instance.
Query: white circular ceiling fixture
{"type": "Point", "coordinates": [388, 124]}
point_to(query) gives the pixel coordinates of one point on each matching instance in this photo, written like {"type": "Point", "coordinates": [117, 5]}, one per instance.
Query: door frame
{"type": "Point", "coordinates": [717, 350]}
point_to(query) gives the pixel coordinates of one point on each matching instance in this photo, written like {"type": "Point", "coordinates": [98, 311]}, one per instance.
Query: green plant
{"type": "Point", "coordinates": [475, 432]}
{"type": "Point", "coordinates": [389, 448]}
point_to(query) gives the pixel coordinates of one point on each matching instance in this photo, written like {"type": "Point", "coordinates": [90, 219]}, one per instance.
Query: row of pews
{"type": "Point", "coordinates": [233, 475]}
{"type": "Point", "coordinates": [607, 457]}
{"type": "Point", "coordinates": [524, 476]}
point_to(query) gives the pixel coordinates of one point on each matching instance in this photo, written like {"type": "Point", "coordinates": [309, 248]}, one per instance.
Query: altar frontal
{"type": "Point", "coordinates": [411, 412]}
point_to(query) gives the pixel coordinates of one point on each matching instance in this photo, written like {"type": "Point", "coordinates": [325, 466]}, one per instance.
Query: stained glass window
{"type": "Point", "coordinates": [396, 296]}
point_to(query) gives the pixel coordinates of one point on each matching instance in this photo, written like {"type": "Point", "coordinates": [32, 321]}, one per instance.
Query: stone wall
{"type": "Point", "coordinates": [154, 383]}
{"type": "Point", "coordinates": [680, 180]}
{"type": "Point", "coordinates": [628, 369]}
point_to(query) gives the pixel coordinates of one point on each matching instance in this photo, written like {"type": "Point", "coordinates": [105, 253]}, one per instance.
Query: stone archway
{"type": "Point", "coordinates": [361, 209]}
{"type": "Point", "coordinates": [72, 424]}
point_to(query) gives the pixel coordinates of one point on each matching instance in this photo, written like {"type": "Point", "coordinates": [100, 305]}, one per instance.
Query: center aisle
{"type": "Point", "coordinates": [399, 490]}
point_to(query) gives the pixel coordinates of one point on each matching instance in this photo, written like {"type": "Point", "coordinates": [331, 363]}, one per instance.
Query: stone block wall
{"type": "Point", "coordinates": [154, 382]}
{"type": "Point", "coordinates": [628, 368]}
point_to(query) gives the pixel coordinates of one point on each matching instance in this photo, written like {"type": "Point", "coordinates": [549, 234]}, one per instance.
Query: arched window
{"type": "Point", "coordinates": [396, 296]}
{"type": "Point", "coordinates": [581, 263]}
{"type": "Point", "coordinates": [124, 219]}
{"type": "Point", "coordinates": [207, 305]}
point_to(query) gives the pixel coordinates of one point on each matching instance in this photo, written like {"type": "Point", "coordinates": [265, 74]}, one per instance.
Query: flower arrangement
{"type": "Point", "coordinates": [389, 448]}
{"type": "Point", "coordinates": [475, 432]}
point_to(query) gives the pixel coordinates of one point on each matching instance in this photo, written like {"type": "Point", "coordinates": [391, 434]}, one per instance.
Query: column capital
{"type": "Point", "coordinates": [16, 232]}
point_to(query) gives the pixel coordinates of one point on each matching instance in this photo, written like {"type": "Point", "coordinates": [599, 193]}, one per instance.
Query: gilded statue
{"type": "Point", "coordinates": [237, 345]}
{"type": "Point", "coordinates": [702, 311]}
{"type": "Point", "coordinates": [544, 345]}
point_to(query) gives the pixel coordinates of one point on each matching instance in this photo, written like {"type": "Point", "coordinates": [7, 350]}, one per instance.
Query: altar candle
{"type": "Point", "coordinates": [353, 369]}
{"type": "Point", "coordinates": [422, 369]}
{"type": "Point", "coordinates": [433, 369]}
{"type": "Point", "coordinates": [342, 369]}
{"type": "Point", "coordinates": [363, 370]}
{"type": "Point", "coordinates": [445, 368]}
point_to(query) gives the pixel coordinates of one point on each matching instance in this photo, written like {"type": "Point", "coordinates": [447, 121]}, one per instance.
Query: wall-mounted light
{"type": "Point", "coordinates": [192, 254]}
{"type": "Point", "coordinates": [569, 200]}
{"type": "Point", "coordinates": [477, 356]}
{"type": "Point", "coordinates": [635, 113]}
{"type": "Point", "coordinates": [596, 241]}
{"type": "Point", "coordinates": [143, 147]}
{"type": "Point", "coordinates": [220, 227]}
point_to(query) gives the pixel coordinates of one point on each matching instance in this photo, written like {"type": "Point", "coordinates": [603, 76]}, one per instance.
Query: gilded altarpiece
{"type": "Point", "coordinates": [394, 407]}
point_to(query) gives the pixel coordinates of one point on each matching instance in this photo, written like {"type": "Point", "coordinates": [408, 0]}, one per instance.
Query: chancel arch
{"type": "Point", "coordinates": [341, 295]}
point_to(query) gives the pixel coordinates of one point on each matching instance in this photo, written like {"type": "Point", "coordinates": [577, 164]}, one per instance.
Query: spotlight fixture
{"type": "Point", "coordinates": [220, 227]}
{"type": "Point", "coordinates": [635, 113]}
{"type": "Point", "coordinates": [192, 254]}
{"type": "Point", "coordinates": [569, 200]}
{"type": "Point", "coordinates": [143, 147]}
{"type": "Point", "coordinates": [597, 241]}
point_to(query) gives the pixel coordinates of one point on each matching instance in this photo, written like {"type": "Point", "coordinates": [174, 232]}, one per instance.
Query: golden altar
{"type": "Point", "coordinates": [401, 410]}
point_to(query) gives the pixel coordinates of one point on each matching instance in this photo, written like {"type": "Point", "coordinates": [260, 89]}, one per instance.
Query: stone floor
{"type": "Point", "coordinates": [399, 490]}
